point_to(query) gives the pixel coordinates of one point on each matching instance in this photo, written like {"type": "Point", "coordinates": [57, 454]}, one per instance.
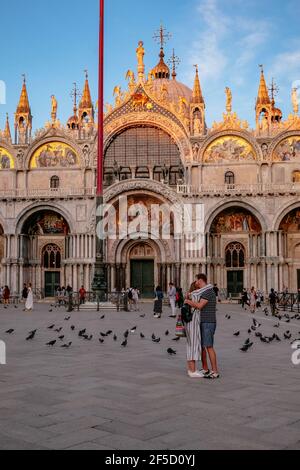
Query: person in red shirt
{"type": "Point", "coordinates": [82, 295]}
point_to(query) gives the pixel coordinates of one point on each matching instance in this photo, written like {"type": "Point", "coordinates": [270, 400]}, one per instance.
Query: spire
{"type": "Point", "coordinates": [197, 93]}
{"type": "Point", "coordinates": [161, 70]}
{"type": "Point", "coordinates": [23, 106]}
{"type": "Point", "coordinates": [263, 95]}
{"type": "Point", "coordinates": [86, 100]}
{"type": "Point", "coordinates": [6, 132]}
{"type": "Point", "coordinates": [173, 62]}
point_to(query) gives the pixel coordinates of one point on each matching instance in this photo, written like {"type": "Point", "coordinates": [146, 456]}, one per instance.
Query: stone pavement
{"type": "Point", "coordinates": [102, 396]}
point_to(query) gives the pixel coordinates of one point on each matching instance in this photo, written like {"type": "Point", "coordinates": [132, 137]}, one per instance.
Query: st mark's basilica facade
{"type": "Point", "coordinates": [158, 150]}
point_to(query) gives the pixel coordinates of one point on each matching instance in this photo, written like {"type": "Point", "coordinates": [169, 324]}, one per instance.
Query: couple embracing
{"type": "Point", "coordinates": [201, 329]}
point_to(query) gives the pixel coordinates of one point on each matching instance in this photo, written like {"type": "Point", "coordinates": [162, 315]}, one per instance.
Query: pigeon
{"type": "Point", "coordinates": [58, 330]}
{"type": "Point", "coordinates": [287, 335]}
{"type": "Point", "coordinates": [82, 332]}
{"type": "Point", "coordinates": [236, 334]}
{"type": "Point", "coordinates": [264, 339]}
{"type": "Point", "coordinates": [103, 334]}
{"type": "Point", "coordinates": [133, 330]}
{"type": "Point", "coordinates": [156, 340]}
{"type": "Point", "coordinates": [51, 343]}
{"type": "Point", "coordinates": [142, 336]}
{"type": "Point", "coordinates": [244, 348]}
{"type": "Point", "coordinates": [50, 310]}
{"type": "Point", "coordinates": [102, 318]}
{"type": "Point", "coordinates": [61, 337]}
{"type": "Point", "coordinates": [167, 333]}
{"type": "Point", "coordinates": [109, 332]}
{"type": "Point", "coordinates": [16, 306]}
{"type": "Point", "coordinates": [88, 338]}
{"type": "Point", "coordinates": [124, 344]}
{"type": "Point", "coordinates": [277, 338]}
{"type": "Point", "coordinates": [171, 352]}
{"type": "Point", "coordinates": [143, 316]}
{"type": "Point", "coordinates": [10, 332]}
{"type": "Point", "coordinates": [51, 327]}
{"type": "Point", "coordinates": [176, 339]}
{"type": "Point", "coordinates": [115, 338]}
{"type": "Point", "coordinates": [126, 334]}
{"type": "Point", "coordinates": [249, 331]}
{"type": "Point", "coordinates": [67, 318]}
{"type": "Point", "coordinates": [258, 334]}
{"type": "Point", "coordinates": [101, 340]}
{"type": "Point", "coordinates": [228, 317]}
{"type": "Point", "coordinates": [72, 327]}
{"type": "Point", "coordinates": [31, 336]}
{"type": "Point", "coordinates": [247, 341]}
{"type": "Point", "coordinates": [277, 325]}
{"type": "Point", "coordinates": [256, 324]}
{"type": "Point", "coordinates": [288, 320]}
{"type": "Point", "coordinates": [153, 336]}
{"type": "Point", "coordinates": [66, 345]}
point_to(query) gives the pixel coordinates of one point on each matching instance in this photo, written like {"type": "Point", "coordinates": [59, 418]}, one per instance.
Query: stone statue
{"type": "Point", "coordinates": [140, 52]}
{"type": "Point", "coordinates": [53, 107]}
{"type": "Point", "coordinates": [197, 125]}
{"type": "Point", "coordinates": [295, 101]}
{"type": "Point", "coordinates": [118, 95]}
{"type": "Point", "coordinates": [130, 77]}
{"type": "Point", "coordinates": [228, 100]}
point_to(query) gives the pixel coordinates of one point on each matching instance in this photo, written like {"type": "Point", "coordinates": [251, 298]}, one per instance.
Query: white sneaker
{"type": "Point", "coordinates": [203, 373]}
{"type": "Point", "coordinates": [195, 375]}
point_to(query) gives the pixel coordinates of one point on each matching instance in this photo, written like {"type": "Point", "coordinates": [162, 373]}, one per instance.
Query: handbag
{"type": "Point", "coordinates": [180, 328]}
{"type": "Point", "coordinates": [186, 313]}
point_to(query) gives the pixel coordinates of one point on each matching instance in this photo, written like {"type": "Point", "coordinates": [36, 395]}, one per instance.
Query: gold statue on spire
{"type": "Point", "coordinates": [295, 100]}
{"type": "Point", "coordinates": [228, 100]}
{"type": "Point", "coordinates": [140, 52]}
{"type": "Point", "coordinates": [53, 108]}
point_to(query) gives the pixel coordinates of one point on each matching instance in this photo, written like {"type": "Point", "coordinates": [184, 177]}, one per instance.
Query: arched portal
{"type": "Point", "coordinates": [2, 252]}
{"type": "Point", "coordinates": [290, 227]}
{"type": "Point", "coordinates": [235, 244]}
{"type": "Point", "coordinates": [43, 249]}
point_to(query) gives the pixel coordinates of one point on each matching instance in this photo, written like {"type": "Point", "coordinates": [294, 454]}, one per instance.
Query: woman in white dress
{"type": "Point", "coordinates": [29, 300]}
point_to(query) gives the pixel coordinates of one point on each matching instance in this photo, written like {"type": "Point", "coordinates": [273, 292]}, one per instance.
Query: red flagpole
{"type": "Point", "coordinates": [100, 103]}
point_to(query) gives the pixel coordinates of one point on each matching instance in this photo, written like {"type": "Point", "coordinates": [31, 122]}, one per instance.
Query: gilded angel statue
{"type": "Point", "coordinates": [228, 100]}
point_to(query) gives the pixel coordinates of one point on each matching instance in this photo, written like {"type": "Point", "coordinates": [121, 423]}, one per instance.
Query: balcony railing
{"type": "Point", "coordinates": [46, 193]}
{"type": "Point", "coordinates": [238, 189]}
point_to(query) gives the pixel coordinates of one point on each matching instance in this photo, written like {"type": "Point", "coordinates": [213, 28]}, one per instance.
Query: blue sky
{"type": "Point", "coordinates": [53, 42]}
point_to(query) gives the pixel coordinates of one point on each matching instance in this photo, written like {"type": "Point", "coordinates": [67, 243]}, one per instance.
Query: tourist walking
{"type": "Point", "coordinates": [29, 299]}
{"type": "Point", "coordinates": [130, 298]}
{"type": "Point", "coordinates": [158, 302]}
{"type": "Point", "coordinates": [253, 299]}
{"type": "Point", "coordinates": [179, 297]}
{"type": "Point", "coordinates": [135, 299]}
{"type": "Point", "coordinates": [6, 295]}
{"type": "Point", "coordinates": [245, 298]}
{"type": "Point", "coordinates": [82, 295]}
{"type": "Point", "coordinates": [172, 299]}
{"type": "Point", "coordinates": [217, 291]}
{"type": "Point", "coordinates": [204, 320]}
{"type": "Point", "coordinates": [24, 292]}
{"type": "Point", "coordinates": [273, 301]}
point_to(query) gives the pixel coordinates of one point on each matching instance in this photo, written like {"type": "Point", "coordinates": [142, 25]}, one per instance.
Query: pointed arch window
{"type": "Point", "coordinates": [229, 178]}
{"type": "Point", "coordinates": [235, 255]}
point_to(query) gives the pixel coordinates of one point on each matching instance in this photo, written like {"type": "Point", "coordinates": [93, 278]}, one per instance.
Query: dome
{"type": "Point", "coordinates": [73, 122]}
{"type": "Point", "coordinates": [175, 89]}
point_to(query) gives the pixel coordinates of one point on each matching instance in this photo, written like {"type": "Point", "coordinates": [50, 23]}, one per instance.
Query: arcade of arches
{"type": "Point", "coordinates": [238, 253]}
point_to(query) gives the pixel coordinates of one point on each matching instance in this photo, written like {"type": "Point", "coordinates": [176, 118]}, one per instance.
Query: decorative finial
{"type": "Point", "coordinates": [162, 36]}
{"type": "Point", "coordinates": [24, 77]}
{"type": "Point", "coordinates": [273, 89]}
{"type": "Point", "coordinates": [174, 61]}
{"type": "Point", "coordinates": [196, 67]}
{"type": "Point", "coordinates": [75, 94]}
{"type": "Point", "coordinates": [86, 74]}
{"type": "Point", "coordinates": [261, 68]}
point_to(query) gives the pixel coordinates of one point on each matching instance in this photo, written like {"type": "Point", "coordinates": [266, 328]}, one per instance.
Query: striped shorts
{"type": "Point", "coordinates": [193, 336]}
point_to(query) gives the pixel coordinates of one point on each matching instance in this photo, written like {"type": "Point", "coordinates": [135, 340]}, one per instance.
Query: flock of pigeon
{"type": "Point", "coordinates": [89, 337]}
{"type": "Point", "coordinates": [254, 331]}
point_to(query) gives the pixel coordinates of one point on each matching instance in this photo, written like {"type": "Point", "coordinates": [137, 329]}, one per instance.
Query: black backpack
{"type": "Point", "coordinates": [186, 313]}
